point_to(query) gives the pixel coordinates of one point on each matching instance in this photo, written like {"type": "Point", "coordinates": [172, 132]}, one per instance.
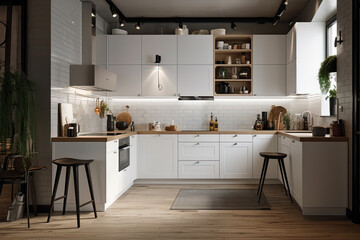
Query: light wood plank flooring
{"type": "Point", "coordinates": [144, 213]}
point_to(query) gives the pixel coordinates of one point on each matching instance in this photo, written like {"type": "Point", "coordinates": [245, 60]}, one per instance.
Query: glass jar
{"type": "Point", "coordinates": [221, 73]}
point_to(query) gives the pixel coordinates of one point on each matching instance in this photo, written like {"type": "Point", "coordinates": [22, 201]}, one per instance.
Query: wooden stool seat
{"type": "Point", "coordinates": [71, 162]}
{"type": "Point", "coordinates": [275, 155]}
{"type": "Point", "coordinates": [280, 157]}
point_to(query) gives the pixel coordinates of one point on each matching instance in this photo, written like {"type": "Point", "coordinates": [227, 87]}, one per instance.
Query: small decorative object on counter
{"type": "Point", "coordinates": [211, 123]}
{"type": "Point", "coordinates": [110, 122]}
{"type": "Point", "coordinates": [157, 126]}
{"type": "Point", "coordinates": [337, 128]}
{"type": "Point", "coordinates": [305, 123]}
{"type": "Point", "coordinates": [318, 131]}
{"type": "Point", "coordinates": [258, 123]}
{"type": "Point", "coordinates": [216, 125]}
{"type": "Point", "coordinates": [104, 109]}
{"type": "Point", "coordinates": [124, 116]}
{"type": "Point", "coordinates": [264, 120]}
{"type": "Point", "coordinates": [287, 121]}
{"type": "Point", "coordinates": [122, 125]}
{"type": "Point", "coordinates": [172, 126]}
{"type": "Point", "coordinates": [269, 125]}
{"type": "Point", "coordinates": [132, 128]}
{"type": "Point", "coordinates": [70, 132]}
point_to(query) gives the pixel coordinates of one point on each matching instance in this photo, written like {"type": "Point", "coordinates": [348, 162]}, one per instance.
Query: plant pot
{"type": "Point", "coordinates": [333, 106]}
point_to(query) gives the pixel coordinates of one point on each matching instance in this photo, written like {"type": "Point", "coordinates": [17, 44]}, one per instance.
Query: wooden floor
{"type": "Point", "coordinates": [144, 213]}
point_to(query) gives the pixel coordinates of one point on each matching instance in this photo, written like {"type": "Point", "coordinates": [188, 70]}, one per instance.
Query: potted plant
{"type": "Point", "coordinates": [104, 109]}
{"type": "Point", "coordinates": [332, 97]}
{"type": "Point", "coordinates": [17, 118]}
{"type": "Point", "coordinates": [327, 66]}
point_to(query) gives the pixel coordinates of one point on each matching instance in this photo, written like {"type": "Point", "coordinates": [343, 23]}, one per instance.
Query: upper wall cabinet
{"type": "Point", "coordinates": [124, 49]}
{"type": "Point", "coordinates": [101, 49]}
{"type": "Point", "coordinates": [159, 80]}
{"type": "Point", "coordinates": [195, 80]}
{"type": "Point", "coordinates": [269, 49]}
{"type": "Point", "coordinates": [195, 49]}
{"type": "Point", "coordinates": [163, 45]}
{"type": "Point", "coordinates": [305, 51]}
{"type": "Point", "coordinates": [128, 80]}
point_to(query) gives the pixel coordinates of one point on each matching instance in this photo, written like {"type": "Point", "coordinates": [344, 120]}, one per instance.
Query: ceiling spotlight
{"type": "Point", "coordinates": [281, 10]}
{"type": "Point", "coordinates": [113, 10]}
{"type": "Point", "coordinates": [122, 23]}
{"type": "Point", "coordinates": [138, 25]}
{"type": "Point", "coordinates": [233, 26]}
{"type": "Point", "coordinates": [276, 20]}
{"type": "Point", "coordinates": [285, 2]}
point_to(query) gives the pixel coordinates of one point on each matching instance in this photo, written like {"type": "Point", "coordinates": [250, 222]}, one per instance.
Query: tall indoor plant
{"type": "Point", "coordinates": [328, 66]}
{"type": "Point", "coordinates": [17, 118]}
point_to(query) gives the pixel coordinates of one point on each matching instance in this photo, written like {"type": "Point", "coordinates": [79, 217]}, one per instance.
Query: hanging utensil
{"type": "Point", "coordinates": [97, 106]}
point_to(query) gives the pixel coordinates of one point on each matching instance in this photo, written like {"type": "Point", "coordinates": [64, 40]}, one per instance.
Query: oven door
{"type": "Point", "coordinates": [124, 158]}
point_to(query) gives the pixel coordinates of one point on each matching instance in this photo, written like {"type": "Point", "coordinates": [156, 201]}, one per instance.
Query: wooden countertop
{"type": "Point", "coordinates": [298, 135]}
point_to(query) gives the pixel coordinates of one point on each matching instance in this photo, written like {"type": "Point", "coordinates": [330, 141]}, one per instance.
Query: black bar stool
{"type": "Point", "coordinates": [74, 163]}
{"type": "Point", "coordinates": [280, 157]}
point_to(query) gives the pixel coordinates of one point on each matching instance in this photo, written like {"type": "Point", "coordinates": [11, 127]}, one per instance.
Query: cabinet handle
{"type": "Point", "coordinates": [235, 144]}
{"type": "Point", "coordinates": [197, 162]}
{"type": "Point", "coordinates": [115, 152]}
{"type": "Point", "coordinates": [115, 141]}
{"type": "Point", "coordinates": [254, 135]}
{"type": "Point", "coordinates": [197, 135]}
{"type": "Point", "coordinates": [235, 135]}
{"type": "Point", "coordinates": [293, 141]}
{"type": "Point", "coordinates": [197, 144]}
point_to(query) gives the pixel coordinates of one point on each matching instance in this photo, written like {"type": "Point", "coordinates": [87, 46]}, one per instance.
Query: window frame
{"type": "Point", "coordinates": [331, 21]}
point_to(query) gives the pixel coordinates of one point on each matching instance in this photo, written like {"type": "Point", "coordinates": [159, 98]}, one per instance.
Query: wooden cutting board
{"type": "Point", "coordinates": [274, 116]}
{"type": "Point", "coordinates": [124, 116]}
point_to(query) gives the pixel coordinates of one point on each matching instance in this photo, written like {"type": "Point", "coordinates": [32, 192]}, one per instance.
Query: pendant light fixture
{"type": "Point", "coordinates": [233, 26]}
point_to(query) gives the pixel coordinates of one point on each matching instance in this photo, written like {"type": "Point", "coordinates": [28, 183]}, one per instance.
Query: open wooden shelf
{"type": "Point", "coordinates": [232, 50]}
{"type": "Point", "coordinates": [233, 65]}
{"type": "Point", "coordinates": [232, 94]}
{"type": "Point", "coordinates": [233, 80]}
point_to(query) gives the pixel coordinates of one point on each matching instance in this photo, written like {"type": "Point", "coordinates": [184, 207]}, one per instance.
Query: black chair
{"type": "Point", "coordinates": [74, 163]}
{"type": "Point", "coordinates": [280, 157]}
{"type": "Point", "coordinates": [13, 172]}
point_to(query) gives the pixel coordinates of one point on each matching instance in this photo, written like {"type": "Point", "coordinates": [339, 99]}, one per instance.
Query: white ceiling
{"type": "Point", "coordinates": [201, 8]}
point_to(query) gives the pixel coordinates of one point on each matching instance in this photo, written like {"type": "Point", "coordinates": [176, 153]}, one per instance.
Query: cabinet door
{"type": "Point", "coordinates": [199, 151]}
{"type": "Point", "coordinates": [163, 45]}
{"type": "Point", "coordinates": [264, 143]}
{"type": "Point", "coordinates": [287, 161]}
{"type": "Point", "coordinates": [124, 49]}
{"type": "Point", "coordinates": [269, 49]}
{"type": "Point", "coordinates": [269, 80]}
{"type": "Point", "coordinates": [114, 179]}
{"type": "Point", "coordinates": [128, 80]}
{"type": "Point", "coordinates": [165, 75]}
{"type": "Point", "coordinates": [101, 49]}
{"type": "Point", "coordinates": [195, 80]}
{"type": "Point", "coordinates": [133, 158]}
{"type": "Point", "coordinates": [235, 160]}
{"type": "Point", "coordinates": [295, 167]}
{"type": "Point", "coordinates": [198, 169]}
{"type": "Point", "coordinates": [195, 49]}
{"type": "Point", "coordinates": [291, 45]}
{"type": "Point", "coordinates": [291, 78]}
{"type": "Point", "coordinates": [157, 156]}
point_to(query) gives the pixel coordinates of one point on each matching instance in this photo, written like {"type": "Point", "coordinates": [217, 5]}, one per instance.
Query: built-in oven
{"type": "Point", "coordinates": [124, 153]}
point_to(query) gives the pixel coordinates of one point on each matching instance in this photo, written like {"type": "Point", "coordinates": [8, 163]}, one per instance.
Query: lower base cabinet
{"type": "Point", "coordinates": [157, 156]}
{"type": "Point", "coordinates": [236, 160]}
{"type": "Point", "coordinates": [264, 143]}
{"type": "Point", "coordinates": [198, 169]}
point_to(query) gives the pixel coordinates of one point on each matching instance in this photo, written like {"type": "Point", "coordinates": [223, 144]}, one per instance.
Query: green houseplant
{"type": "Point", "coordinates": [327, 66]}
{"type": "Point", "coordinates": [17, 118]}
{"type": "Point", "coordinates": [332, 99]}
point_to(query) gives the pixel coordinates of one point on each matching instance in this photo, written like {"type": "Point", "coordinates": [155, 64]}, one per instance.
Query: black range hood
{"type": "Point", "coordinates": [196, 98]}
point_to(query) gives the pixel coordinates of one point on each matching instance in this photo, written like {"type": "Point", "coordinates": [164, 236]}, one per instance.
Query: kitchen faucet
{"type": "Point", "coordinates": [310, 118]}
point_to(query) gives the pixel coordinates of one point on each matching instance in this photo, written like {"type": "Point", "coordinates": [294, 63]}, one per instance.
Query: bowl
{"type": "Point", "coordinates": [218, 31]}
{"type": "Point", "coordinates": [122, 125]}
{"type": "Point", "coordinates": [118, 31]}
{"type": "Point", "coordinates": [318, 131]}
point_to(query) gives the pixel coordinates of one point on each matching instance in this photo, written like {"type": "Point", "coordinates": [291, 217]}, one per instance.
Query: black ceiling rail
{"type": "Point", "coordinates": [260, 20]}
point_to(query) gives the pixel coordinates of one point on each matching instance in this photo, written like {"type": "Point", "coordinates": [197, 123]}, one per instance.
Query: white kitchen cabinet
{"type": "Point", "coordinates": [199, 151]}
{"type": "Point", "coordinates": [264, 143]}
{"type": "Point", "coordinates": [195, 80]}
{"type": "Point", "coordinates": [128, 80]}
{"type": "Point", "coordinates": [195, 49]}
{"type": "Point", "coordinates": [235, 138]}
{"type": "Point", "coordinates": [124, 49]}
{"type": "Point", "coordinates": [163, 75]}
{"type": "Point", "coordinates": [157, 156]}
{"type": "Point", "coordinates": [198, 169]}
{"type": "Point", "coordinates": [269, 80]}
{"type": "Point", "coordinates": [101, 49]}
{"type": "Point", "coordinates": [198, 138]}
{"type": "Point", "coordinates": [163, 45]}
{"type": "Point", "coordinates": [235, 160]}
{"type": "Point", "coordinates": [269, 49]}
{"type": "Point", "coordinates": [133, 158]}
{"type": "Point", "coordinates": [305, 51]}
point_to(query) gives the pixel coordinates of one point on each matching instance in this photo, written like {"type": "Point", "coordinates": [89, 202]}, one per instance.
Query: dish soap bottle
{"type": "Point", "coordinates": [216, 125]}
{"type": "Point", "coordinates": [211, 123]}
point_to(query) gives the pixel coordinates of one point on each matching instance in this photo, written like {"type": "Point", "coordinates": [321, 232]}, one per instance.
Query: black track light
{"type": "Point", "coordinates": [281, 10]}
{"type": "Point", "coordinates": [122, 23]}
{"type": "Point", "coordinates": [285, 2]}
{"type": "Point", "coordinates": [180, 24]}
{"type": "Point", "coordinates": [233, 26]}
{"type": "Point", "coordinates": [276, 20]}
{"type": "Point", "coordinates": [138, 25]}
{"type": "Point", "coordinates": [113, 10]}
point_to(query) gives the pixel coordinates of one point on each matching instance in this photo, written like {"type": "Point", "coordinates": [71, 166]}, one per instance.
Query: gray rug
{"type": "Point", "coordinates": [219, 199]}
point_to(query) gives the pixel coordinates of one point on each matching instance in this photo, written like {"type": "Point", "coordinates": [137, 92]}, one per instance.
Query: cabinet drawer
{"type": "Point", "coordinates": [198, 138]}
{"type": "Point", "coordinates": [112, 146]}
{"type": "Point", "coordinates": [198, 169]}
{"type": "Point", "coordinates": [235, 138]}
{"type": "Point", "coordinates": [199, 151]}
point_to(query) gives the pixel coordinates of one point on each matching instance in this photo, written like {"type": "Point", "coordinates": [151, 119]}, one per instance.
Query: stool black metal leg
{"type": "Point", "coordinates": [68, 168]}
{"type": "Point", "coordinates": [33, 194]}
{"type": "Point", "coordinates": [263, 179]}
{"type": "Point", "coordinates": [27, 198]}
{"type": "Point", "coordinates": [88, 174]}
{"type": "Point", "coordinates": [57, 177]}
{"type": "Point", "coordinates": [287, 183]}
{"type": "Point", "coordinates": [282, 175]}
{"type": "Point", "coordinates": [77, 200]}
{"type": "Point", "coordinates": [261, 176]}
